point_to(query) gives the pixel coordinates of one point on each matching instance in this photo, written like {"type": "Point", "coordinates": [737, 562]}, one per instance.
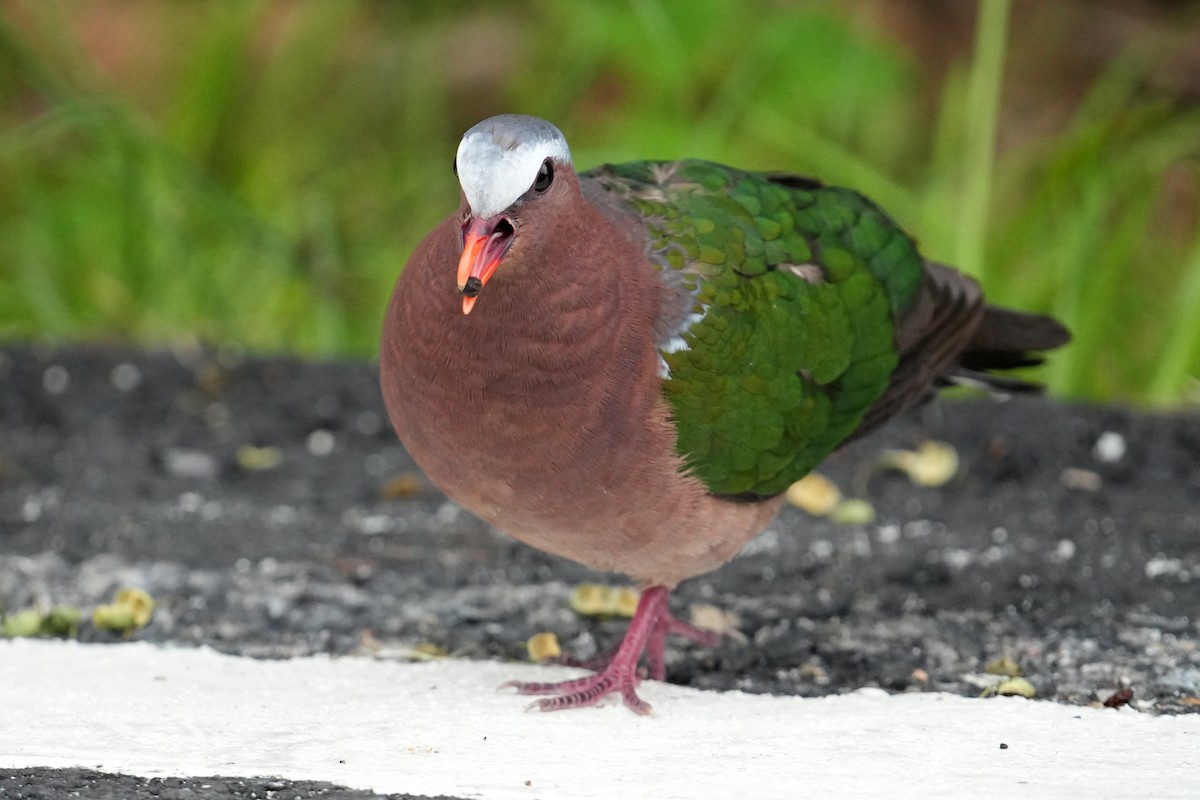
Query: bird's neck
{"type": "Point", "coordinates": [577, 318]}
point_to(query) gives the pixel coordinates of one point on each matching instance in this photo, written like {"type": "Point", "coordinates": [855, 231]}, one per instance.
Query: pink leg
{"type": "Point", "coordinates": [669, 626]}
{"type": "Point", "coordinates": [647, 632]}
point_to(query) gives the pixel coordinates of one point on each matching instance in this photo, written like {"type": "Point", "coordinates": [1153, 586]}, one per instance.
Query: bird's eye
{"type": "Point", "coordinates": [544, 177]}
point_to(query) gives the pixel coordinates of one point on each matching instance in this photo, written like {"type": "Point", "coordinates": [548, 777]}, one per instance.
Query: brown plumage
{"type": "Point", "coordinates": [554, 429]}
{"type": "Point", "coordinates": [541, 409]}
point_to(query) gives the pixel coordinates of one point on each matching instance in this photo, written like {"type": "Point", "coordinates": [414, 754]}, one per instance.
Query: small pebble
{"type": "Point", "coordinates": [320, 442]}
{"type": "Point", "coordinates": [710, 618]}
{"type": "Point", "coordinates": [189, 464]}
{"type": "Point", "coordinates": [368, 423]}
{"type": "Point", "coordinates": [1109, 448]}
{"type": "Point", "coordinates": [1064, 551]}
{"type": "Point", "coordinates": [56, 379]}
{"type": "Point", "coordinates": [1160, 566]}
{"type": "Point", "coordinates": [1081, 479]}
{"type": "Point", "coordinates": [217, 416]}
{"type": "Point", "coordinates": [125, 376]}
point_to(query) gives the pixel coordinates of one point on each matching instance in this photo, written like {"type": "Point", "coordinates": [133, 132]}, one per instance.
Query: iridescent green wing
{"type": "Point", "coordinates": [794, 290]}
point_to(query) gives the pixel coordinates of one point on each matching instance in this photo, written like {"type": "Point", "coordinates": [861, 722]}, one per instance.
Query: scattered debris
{"type": "Point", "coordinates": [130, 610]}
{"type": "Point", "coordinates": [932, 464]}
{"type": "Point", "coordinates": [1129, 588]}
{"type": "Point", "coordinates": [427, 651]}
{"type": "Point", "coordinates": [853, 512]}
{"type": "Point", "coordinates": [1160, 566]}
{"type": "Point", "coordinates": [56, 379]}
{"type": "Point", "coordinates": [543, 647]}
{"type": "Point", "coordinates": [255, 459]}
{"type": "Point", "coordinates": [1083, 480]}
{"type": "Point", "coordinates": [189, 464]}
{"type": "Point", "coordinates": [815, 494]}
{"type": "Point", "coordinates": [402, 487]}
{"type": "Point", "coordinates": [1119, 698]}
{"type": "Point", "coordinates": [61, 622]}
{"type": "Point", "coordinates": [1109, 448]}
{"type": "Point", "coordinates": [21, 624]}
{"type": "Point", "coordinates": [1004, 666]}
{"type": "Point", "coordinates": [125, 376]}
{"type": "Point", "coordinates": [710, 618]}
{"type": "Point", "coordinates": [320, 442]}
{"type": "Point", "coordinates": [814, 672]}
{"type": "Point", "coordinates": [1064, 551]}
{"type": "Point", "coordinates": [1018, 687]}
{"type": "Point", "coordinates": [595, 600]}
{"type": "Point", "coordinates": [819, 496]}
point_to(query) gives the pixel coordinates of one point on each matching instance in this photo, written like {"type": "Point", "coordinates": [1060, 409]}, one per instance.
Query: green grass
{"type": "Point", "coordinates": [257, 172]}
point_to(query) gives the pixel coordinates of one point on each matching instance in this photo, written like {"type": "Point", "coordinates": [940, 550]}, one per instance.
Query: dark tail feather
{"type": "Point", "coordinates": [1007, 339]}
{"type": "Point", "coordinates": [949, 335]}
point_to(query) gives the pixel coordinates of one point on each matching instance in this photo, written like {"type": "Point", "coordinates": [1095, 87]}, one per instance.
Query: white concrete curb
{"type": "Point", "coordinates": [442, 728]}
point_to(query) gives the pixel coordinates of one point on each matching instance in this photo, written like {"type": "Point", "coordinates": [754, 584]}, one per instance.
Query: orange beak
{"type": "Point", "coordinates": [485, 243]}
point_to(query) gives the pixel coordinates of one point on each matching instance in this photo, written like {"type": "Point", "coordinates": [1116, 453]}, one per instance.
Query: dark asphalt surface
{"type": "Point", "coordinates": [257, 500]}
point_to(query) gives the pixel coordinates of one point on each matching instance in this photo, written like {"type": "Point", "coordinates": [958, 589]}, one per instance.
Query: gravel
{"type": "Point", "coordinates": [266, 506]}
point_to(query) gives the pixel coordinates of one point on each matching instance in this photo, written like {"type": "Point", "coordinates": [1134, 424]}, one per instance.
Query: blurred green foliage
{"type": "Point", "coordinates": [257, 171]}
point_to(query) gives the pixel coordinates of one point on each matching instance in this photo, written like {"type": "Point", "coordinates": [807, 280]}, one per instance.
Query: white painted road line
{"type": "Point", "coordinates": [442, 728]}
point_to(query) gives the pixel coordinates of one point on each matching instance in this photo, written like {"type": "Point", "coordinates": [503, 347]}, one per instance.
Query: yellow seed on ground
{"type": "Point", "coordinates": [1083, 480]}
{"type": "Point", "coordinates": [1016, 686]}
{"type": "Point", "coordinates": [427, 651]}
{"type": "Point", "coordinates": [115, 618]}
{"type": "Point", "coordinates": [588, 599]}
{"type": "Point", "coordinates": [711, 618]}
{"type": "Point", "coordinates": [19, 624]}
{"type": "Point", "coordinates": [403, 486]}
{"type": "Point", "coordinates": [139, 603]}
{"type": "Point", "coordinates": [932, 464]}
{"type": "Point", "coordinates": [1003, 666]}
{"type": "Point", "coordinates": [543, 646]}
{"type": "Point", "coordinates": [625, 602]}
{"type": "Point", "coordinates": [853, 512]}
{"type": "Point", "coordinates": [130, 609]}
{"type": "Point", "coordinates": [595, 600]}
{"type": "Point", "coordinates": [254, 458]}
{"type": "Point", "coordinates": [61, 621]}
{"type": "Point", "coordinates": [815, 494]}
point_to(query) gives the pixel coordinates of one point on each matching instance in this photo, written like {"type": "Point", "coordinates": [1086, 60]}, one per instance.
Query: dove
{"type": "Point", "coordinates": [627, 366]}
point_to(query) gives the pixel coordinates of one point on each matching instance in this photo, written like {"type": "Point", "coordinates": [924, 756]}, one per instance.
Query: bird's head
{"type": "Point", "coordinates": [511, 169]}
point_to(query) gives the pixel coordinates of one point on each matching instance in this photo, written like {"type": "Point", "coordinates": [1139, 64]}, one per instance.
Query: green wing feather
{"type": "Point", "coordinates": [794, 289]}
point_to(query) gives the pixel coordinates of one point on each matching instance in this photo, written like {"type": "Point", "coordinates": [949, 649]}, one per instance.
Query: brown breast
{"type": "Point", "coordinates": [541, 411]}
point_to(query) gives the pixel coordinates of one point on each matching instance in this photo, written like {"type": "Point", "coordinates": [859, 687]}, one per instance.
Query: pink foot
{"type": "Point", "coordinates": [647, 633]}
